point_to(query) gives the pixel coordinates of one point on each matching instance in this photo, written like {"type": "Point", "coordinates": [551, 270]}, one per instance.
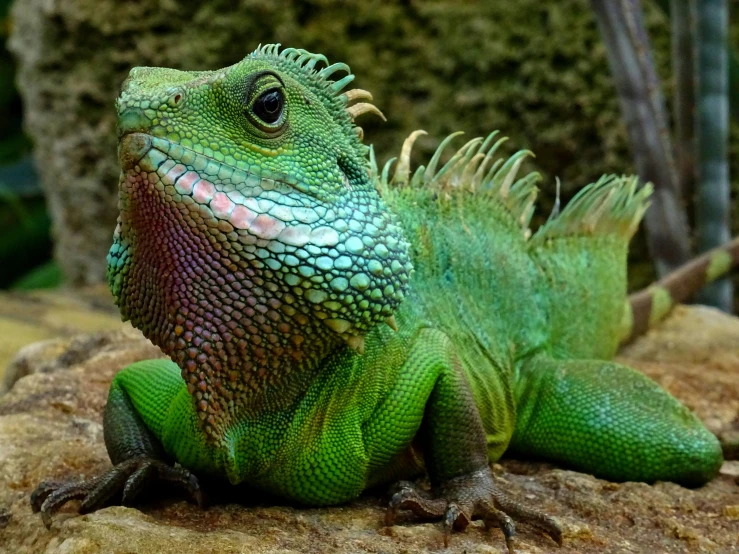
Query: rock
{"type": "Point", "coordinates": [50, 427]}
{"type": "Point", "coordinates": [62, 353]}
{"type": "Point", "coordinates": [29, 317]}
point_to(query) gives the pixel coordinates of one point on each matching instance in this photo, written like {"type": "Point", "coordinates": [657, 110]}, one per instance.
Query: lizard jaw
{"type": "Point", "coordinates": [272, 224]}
{"type": "Point", "coordinates": [259, 218]}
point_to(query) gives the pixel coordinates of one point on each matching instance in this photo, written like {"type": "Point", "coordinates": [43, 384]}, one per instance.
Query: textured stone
{"type": "Point", "coordinates": [27, 318]}
{"type": "Point", "coordinates": [51, 427]}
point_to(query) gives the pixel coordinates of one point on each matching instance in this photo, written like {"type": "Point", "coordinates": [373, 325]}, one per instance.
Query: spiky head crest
{"type": "Point", "coordinates": [306, 67]}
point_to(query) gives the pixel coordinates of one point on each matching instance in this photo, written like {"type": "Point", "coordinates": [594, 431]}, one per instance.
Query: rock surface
{"type": "Point", "coordinates": [50, 427]}
{"type": "Point", "coordinates": [48, 316]}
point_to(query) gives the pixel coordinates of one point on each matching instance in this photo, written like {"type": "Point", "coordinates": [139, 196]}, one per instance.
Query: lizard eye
{"type": "Point", "coordinates": [269, 106]}
{"type": "Point", "coordinates": [265, 103]}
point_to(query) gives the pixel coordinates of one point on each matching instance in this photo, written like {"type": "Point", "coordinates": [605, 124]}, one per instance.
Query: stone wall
{"type": "Point", "coordinates": [536, 70]}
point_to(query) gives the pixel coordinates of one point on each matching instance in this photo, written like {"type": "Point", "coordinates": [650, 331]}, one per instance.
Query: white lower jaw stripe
{"type": "Point", "coordinates": [235, 171]}
{"type": "Point", "coordinates": [260, 217]}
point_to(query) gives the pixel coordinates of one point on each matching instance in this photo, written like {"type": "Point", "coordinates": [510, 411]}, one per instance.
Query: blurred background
{"type": "Point", "coordinates": [591, 87]}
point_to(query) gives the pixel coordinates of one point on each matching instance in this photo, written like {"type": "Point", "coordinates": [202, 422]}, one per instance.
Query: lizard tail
{"type": "Point", "coordinates": [649, 306]}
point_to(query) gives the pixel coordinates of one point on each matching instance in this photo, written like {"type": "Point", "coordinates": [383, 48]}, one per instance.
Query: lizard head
{"type": "Point", "coordinates": [247, 216]}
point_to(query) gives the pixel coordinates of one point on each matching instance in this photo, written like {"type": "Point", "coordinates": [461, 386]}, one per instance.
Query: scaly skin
{"type": "Point", "coordinates": [259, 246]}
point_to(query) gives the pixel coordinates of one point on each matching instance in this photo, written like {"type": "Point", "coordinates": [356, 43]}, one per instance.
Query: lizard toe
{"type": "Point", "coordinates": [42, 492]}
{"type": "Point", "coordinates": [454, 518]}
{"type": "Point", "coordinates": [126, 480]}
{"type": "Point", "coordinates": [408, 496]}
{"type": "Point", "coordinates": [472, 496]}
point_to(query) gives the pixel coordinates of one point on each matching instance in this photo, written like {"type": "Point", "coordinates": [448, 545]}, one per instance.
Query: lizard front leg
{"type": "Point", "coordinates": [133, 444]}
{"type": "Point", "coordinates": [455, 452]}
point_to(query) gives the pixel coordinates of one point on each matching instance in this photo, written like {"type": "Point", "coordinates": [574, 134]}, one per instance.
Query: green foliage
{"type": "Point", "coordinates": [46, 276]}
{"type": "Point", "coordinates": [13, 144]}
{"type": "Point", "coordinates": [24, 221]}
{"type": "Point", "coordinates": [24, 236]}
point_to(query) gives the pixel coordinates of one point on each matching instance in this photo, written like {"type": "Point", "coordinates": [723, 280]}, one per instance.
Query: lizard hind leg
{"type": "Point", "coordinates": [611, 421]}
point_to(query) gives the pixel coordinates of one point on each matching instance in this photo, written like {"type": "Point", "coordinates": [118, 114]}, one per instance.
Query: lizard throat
{"type": "Point", "coordinates": [245, 305]}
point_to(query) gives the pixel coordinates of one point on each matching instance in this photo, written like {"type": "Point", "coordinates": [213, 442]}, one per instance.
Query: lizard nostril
{"type": "Point", "coordinates": [176, 96]}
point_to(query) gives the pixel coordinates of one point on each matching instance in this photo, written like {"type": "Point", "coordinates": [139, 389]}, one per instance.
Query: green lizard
{"type": "Point", "coordinates": [259, 246]}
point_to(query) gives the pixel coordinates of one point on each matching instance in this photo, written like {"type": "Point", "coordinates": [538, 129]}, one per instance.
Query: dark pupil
{"type": "Point", "coordinates": [268, 106]}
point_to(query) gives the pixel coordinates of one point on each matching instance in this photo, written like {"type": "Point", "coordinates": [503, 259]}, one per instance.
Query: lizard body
{"type": "Point", "coordinates": [261, 248]}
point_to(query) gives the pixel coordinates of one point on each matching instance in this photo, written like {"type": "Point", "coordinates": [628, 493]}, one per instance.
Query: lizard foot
{"type": "Point", "coordinates": [128, 478]}
{"type": "Point", "coordinates": [469, 496]}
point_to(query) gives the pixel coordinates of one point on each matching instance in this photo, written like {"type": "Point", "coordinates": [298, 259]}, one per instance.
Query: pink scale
{"type": "Point", "coordinates": [172, 174]}
{"type": "Point", "coordinates": [203, 191]}
{"type": "Point", "coordinates": [266, 227]}
{"type": "Point", "coordinates": [242, 217]}
{"type": "Point", "coordinates": [185, 183]}
{"type": "Point", "coordinates": [221, 205]}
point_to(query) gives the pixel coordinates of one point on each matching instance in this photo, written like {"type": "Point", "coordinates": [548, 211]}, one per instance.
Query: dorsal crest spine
{"type": "Point", "coordinates": [472, 169]}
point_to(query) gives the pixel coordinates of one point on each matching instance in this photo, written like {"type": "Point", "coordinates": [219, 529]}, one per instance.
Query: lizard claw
{"type": "Point", "coordinates": [127, 479]}
{"type": "Point", "coordinates": [459, 500]}
{"type": "Point", "coordinates": [454, 518]}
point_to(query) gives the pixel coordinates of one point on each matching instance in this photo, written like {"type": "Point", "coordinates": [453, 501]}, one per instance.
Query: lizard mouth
{"type": "Point", "coordinates": [259, 207]}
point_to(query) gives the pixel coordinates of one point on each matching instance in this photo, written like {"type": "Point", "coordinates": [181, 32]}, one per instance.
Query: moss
{"type": "Point", "coordinates": [536, 70]}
